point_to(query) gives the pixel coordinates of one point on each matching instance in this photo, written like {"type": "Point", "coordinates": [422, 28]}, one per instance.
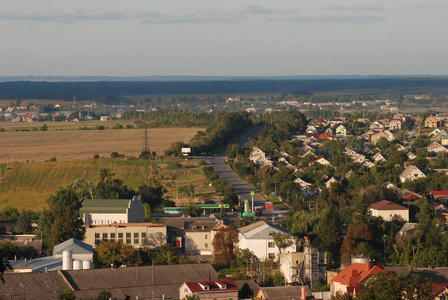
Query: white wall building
{"type": "Point", "coordinates": [257, 237]}
{"type": "Point", "coordinates": [109, 211]}
{"type": "Point", "coordinates": [389, 210]}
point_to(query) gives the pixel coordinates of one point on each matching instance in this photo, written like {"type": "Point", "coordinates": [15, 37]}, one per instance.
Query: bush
{"type": "Point", "coordinates": [114, 155]}
{"type": "Point", "coordinates": [96, 156]}
{"type": "Point", "coordinates": [53, 158]}
{"type": "Point", "coordinates": [202, 162]}
{"type": "Point", "coordinates": [100, 127]}
{"type": "Point", "coordinates": [44, 127]}
{"type": "Point", "coordinates": [173, 165]}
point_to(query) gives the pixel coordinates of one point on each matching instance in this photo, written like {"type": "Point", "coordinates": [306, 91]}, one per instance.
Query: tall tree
{"type": "Point", "coordinates": [115, 253]}
{"type": "Point", "coordinates": [24, 222]}
{"type": "Point", "coordinates": [224, 244]}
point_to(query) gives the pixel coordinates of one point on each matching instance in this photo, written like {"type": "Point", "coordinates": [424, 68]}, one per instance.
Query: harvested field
{"type": "Point", "coordinates": [83, 144]}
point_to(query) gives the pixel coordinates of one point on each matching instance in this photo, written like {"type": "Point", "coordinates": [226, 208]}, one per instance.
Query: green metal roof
{"type": "Point", "coordinates": [104, 206]}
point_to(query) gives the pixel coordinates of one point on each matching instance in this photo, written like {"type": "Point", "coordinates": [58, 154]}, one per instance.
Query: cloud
{"type": "Point", "coordinates": [253, 9]}
{"type": "Point", "coordinates": [77, 15]}
{"type": "Point", "coordinates": [336, 19]}
{"type": "Point", "coordinates": [373, 7]}
{"type": "Point", "coordinates": [71, 15]}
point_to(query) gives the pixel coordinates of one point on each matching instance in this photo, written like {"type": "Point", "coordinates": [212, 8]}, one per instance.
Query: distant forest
{"type": "Point", "coordinates": [83, 90]}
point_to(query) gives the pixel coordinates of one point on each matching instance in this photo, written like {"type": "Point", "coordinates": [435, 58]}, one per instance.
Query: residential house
{"type": "Point", "coordinates": [190, 234]}
{"type": "Point", "coordinates": [350, 279]}
{"type": "Point", "coordinates": [411, 156]}
{"type": "Point", "coordinates": [411, 173]}
{"type": "Point", "coordinates": [395, 124]}
{"type": "Point", "coordinates": [439, 279]}
{"type": "Point", "coordinates": [432, 122]}
{"type": "Point", "coordinates": [210, 290]}
{"type": "Point", "coordinates": [444, 140]}
{"type": "Point", "coordinates": [443, 195]}
{"type": "Point", "coordinates": [258, 238]}
{"type": "Point", "coordinates": [321, 160]}
{"type": "Point", "coordinates": [285, 293]}
{"type": "Point", "coordinates": [389, 210]}
{"type": "Point", "coordinates": [325, 136]}
{"type": "Point", "coordinates": [379, 158]}
{"type": "Point", "coordinates": [105, 118]}
{"type": "Point", "coordinates": [329, 131]}
{"type": "Point", "coordinates": [257, 154]}
{"type": "Point", "coordinates": [135, 234]}
{"type": "Point", "coordinates": [199, 236]}
{"type": "Point", "coordinates": [436, 132]}
{"type": "Point", "coordinates": [336, 121]}
{"type": "Point", "coordinates": [109, 211]}
{"type": "Point", "coordinates": [436, 147]}
{"type": "Point", "coordinates": [330, 181]}
{"type": "Point", "coordinates": [376, 126]}
{"type": "Point", "coordinates": [341, 131]}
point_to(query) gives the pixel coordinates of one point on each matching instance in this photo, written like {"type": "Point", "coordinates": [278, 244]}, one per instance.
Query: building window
{"type": "Point", "coordinates": [104, 236]}
{"type": "Point", "coordinates": [112, 236]}
{"type": "Point", "coordinates": [271, 255]}
{"type": "Point", "coordinates": [206, 245]}
{"type": "Point", "coordinates": [135, 234]}
{"type": "Point", "coordinates": [120, 235]}
{"type": "Point", "coordinates": [206, 236]}
{"type": "Point", "coordinates": [271, 244]}
{"type": "Point", "coordinates": [128, 237]}
{"type": "Point", "coordinates": [135, 241]}
{"type": "Point", "coordinates": [97, 235]}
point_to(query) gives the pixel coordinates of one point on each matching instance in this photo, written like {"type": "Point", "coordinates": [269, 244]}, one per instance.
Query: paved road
{"type": "Point", "coordinates": [241, 188]}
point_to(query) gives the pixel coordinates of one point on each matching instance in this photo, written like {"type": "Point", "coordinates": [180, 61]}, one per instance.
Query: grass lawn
{"type": "Point", "coordinates": [28, 185]}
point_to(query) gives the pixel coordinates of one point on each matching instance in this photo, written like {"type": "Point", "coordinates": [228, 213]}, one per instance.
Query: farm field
{"type": "Point", "coordinates": [28, 185]}
{"type": "Point", "coordinates": [70, 143]}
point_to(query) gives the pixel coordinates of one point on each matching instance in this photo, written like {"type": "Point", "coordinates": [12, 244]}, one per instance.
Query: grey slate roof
{"type": "Point", "coordinates": [132, 281]}
{"type": "Point", "coordinates": [74, 245]}
{"type": "Point", "coordinates": [260, 230]}
{"type": "Point", "coordinates": [285, 293]}
{"type": "Point", "coordinates": [437, 275]}
{"type": "Point", "coordinates": [36, 285]}
{"type": "Point", "coordinates": [137, 281]}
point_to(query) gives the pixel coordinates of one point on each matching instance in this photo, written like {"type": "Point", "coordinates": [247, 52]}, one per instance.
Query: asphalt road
{"type": "Point", "coordinates": [241, 188]}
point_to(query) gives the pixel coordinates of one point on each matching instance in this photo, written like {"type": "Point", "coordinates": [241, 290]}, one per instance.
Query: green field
{"type": "Point", "coordinates": [28, 185]}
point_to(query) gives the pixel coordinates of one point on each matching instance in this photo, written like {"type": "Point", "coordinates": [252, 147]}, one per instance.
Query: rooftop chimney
{"type": "Point", "coordinates": [367, 267]}
{"type": "Point", "coordinates": [303, 293]}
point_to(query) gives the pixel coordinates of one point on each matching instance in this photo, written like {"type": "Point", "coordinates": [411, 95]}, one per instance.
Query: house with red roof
{"type": "Point", "coordinates": [324, 136]}
{"type": "Point", "coordinates": [389, 210]}
{"type": "Point", "coordinates": [411, 196]}
{"type": "Point", "coordinates": [439, 194]}
{"type": "Point", "coordinates": [219, 290]}
{"type": "Point", "coordinates": [351, 278]}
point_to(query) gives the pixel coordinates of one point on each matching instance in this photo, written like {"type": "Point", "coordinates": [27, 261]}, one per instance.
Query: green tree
{"type": "Point", "coordinates": [282, 240]}
{"type": "Point", "coordinates": [4, 266]}
{"type": "Point", "coordinates": [67, 295]}
{"type": "Point", "coordinates": [24, 223]}
{"type": "Point", "coordinates": [104, 295]}
{"type": "Point", "coordinates": [329, 232]}
{"type": "Point", "coordinates": [224, 245]}
{"type": "Point", "coordinates": [165, 255]}
{"type": "Point", "coordinates": [115, 253]}
{"type": "Point", "coordinates": [279, 280]}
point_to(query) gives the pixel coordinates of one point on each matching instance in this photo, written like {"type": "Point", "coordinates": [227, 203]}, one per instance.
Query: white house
{"type": "Point", "coordinates": [108, 211]}
{"type": "Point", "coordinates": [411, 173]}
{"type": "Point", "coordinates": [389, 210]}
{"type": "Point", "coordinates": [436, 147]}
{"type": "Point", "coordinates": [258, 238]}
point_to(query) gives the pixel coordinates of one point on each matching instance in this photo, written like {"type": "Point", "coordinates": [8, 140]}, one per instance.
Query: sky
{"type": "Point", "coordinates": [223, 38]}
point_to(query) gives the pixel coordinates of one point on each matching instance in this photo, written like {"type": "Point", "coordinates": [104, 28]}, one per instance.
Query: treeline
{"type": "Point", "coordinates": [221, 186]}
{"type": "Point", "coordinates": [223, 127]}
{"type": "Point", "coordinates": [66, 90]}
{"type": "Point", "coordinates": [164, 117]}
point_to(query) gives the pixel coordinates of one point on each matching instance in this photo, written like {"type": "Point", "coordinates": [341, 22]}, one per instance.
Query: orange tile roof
{"type": "Point", "coordinates": [356, 273]}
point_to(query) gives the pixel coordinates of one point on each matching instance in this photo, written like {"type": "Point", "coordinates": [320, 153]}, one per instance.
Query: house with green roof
{"type": "Point", "coordinates": [109, 211]}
